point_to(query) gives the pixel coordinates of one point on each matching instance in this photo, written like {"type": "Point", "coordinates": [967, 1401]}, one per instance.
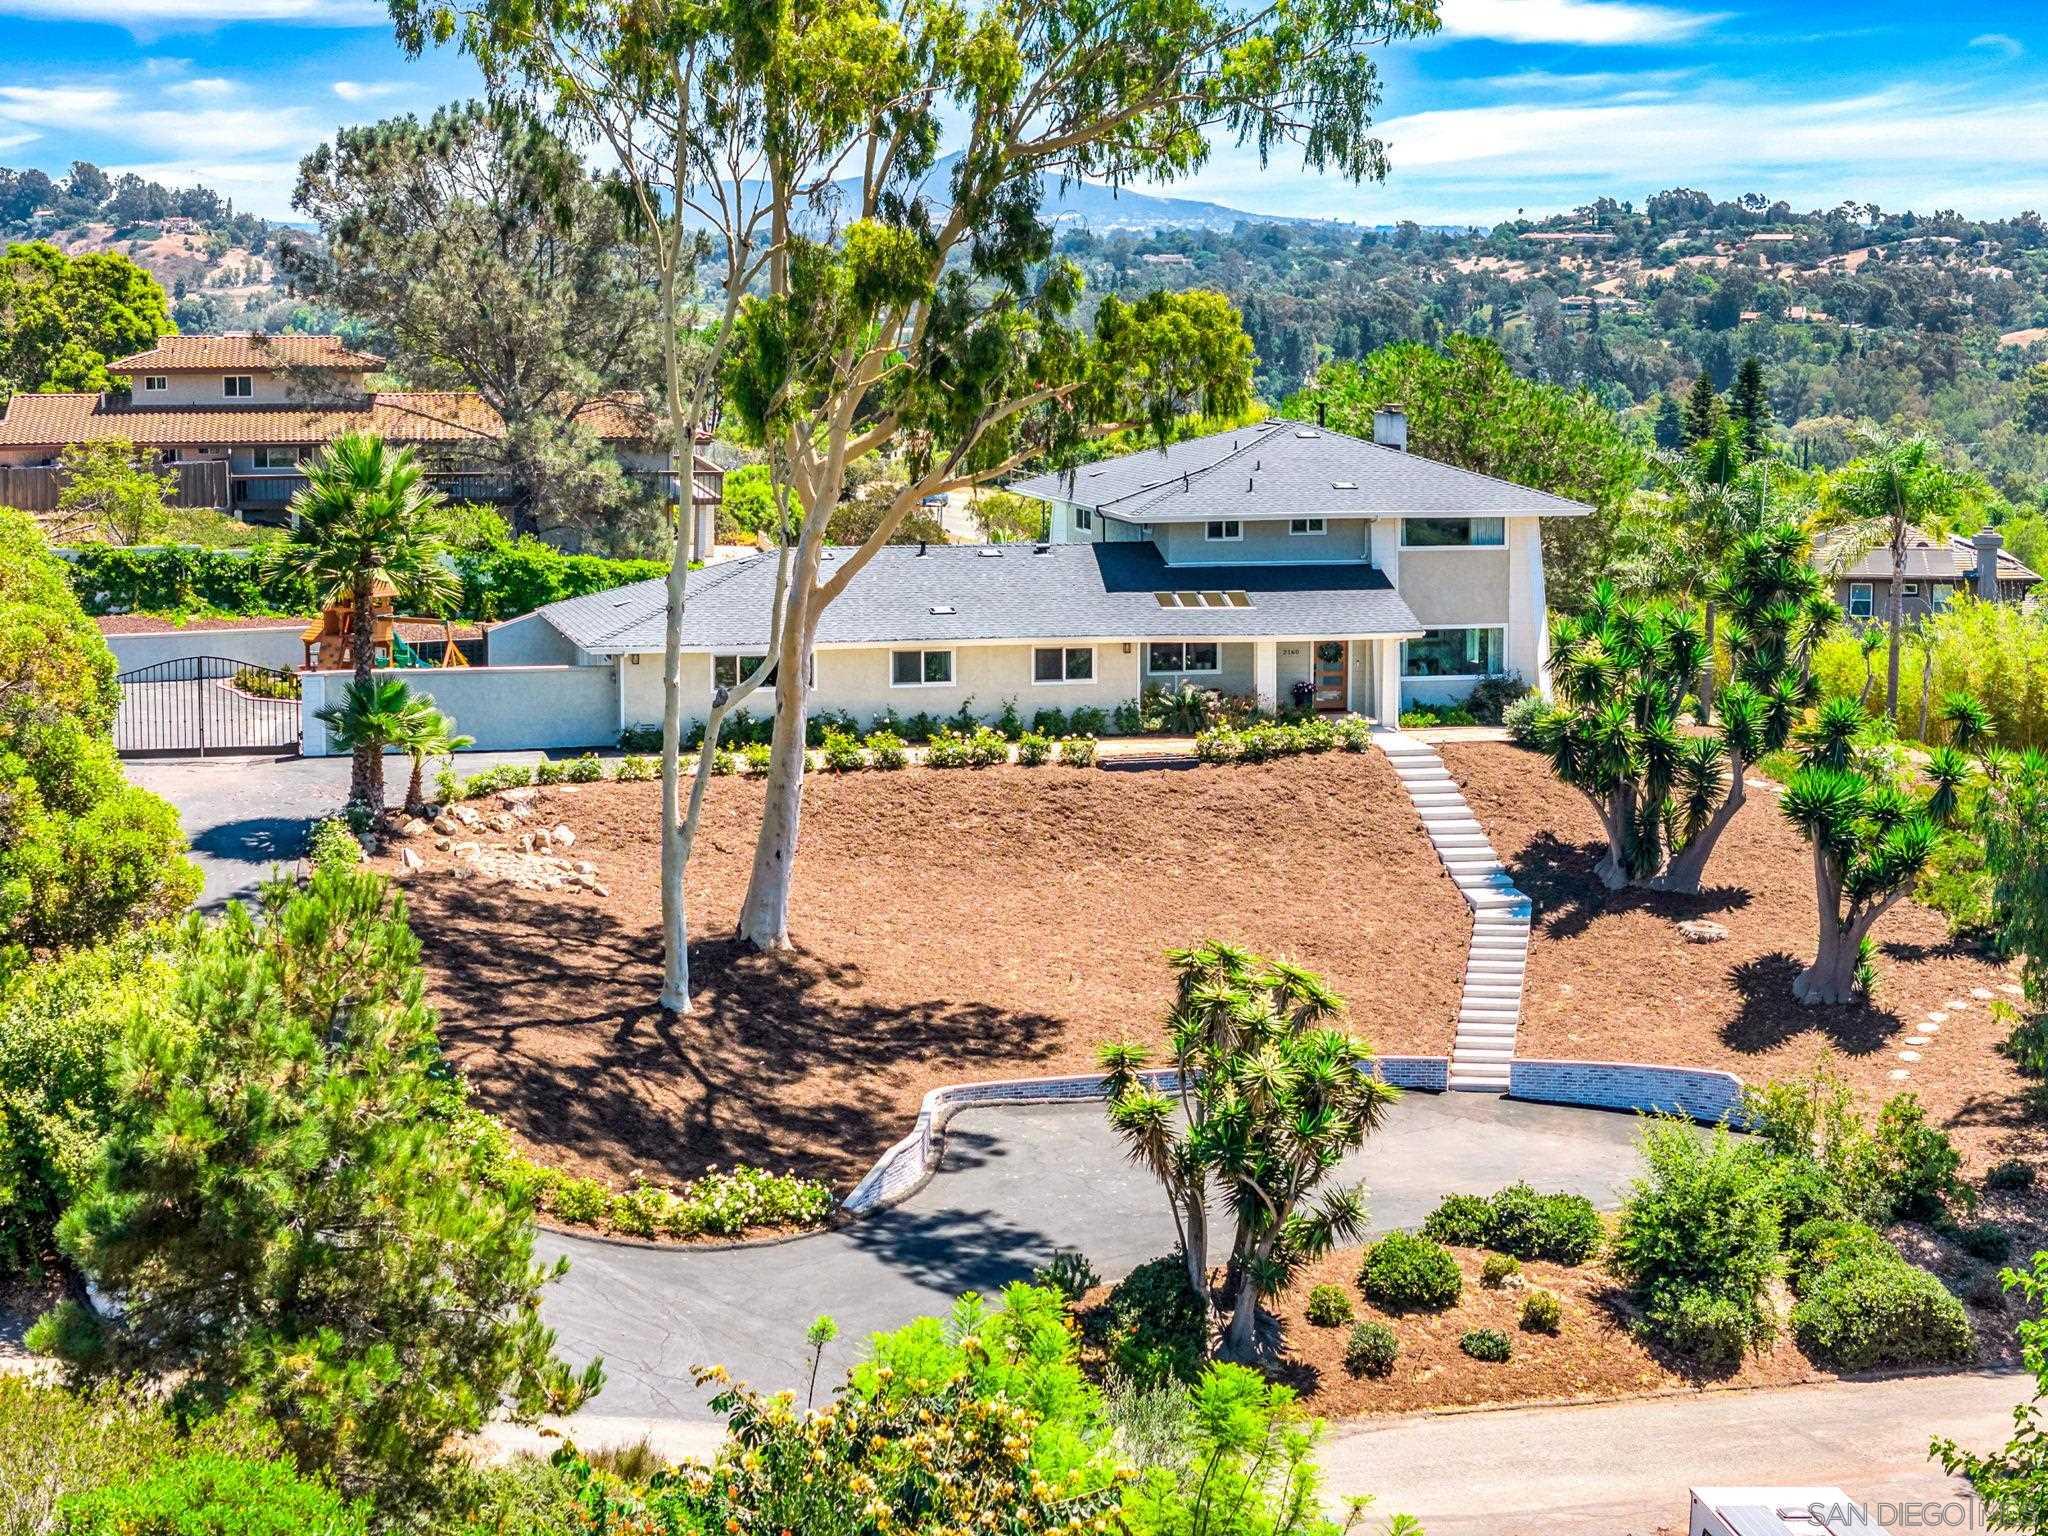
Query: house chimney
{"type": "Point", "coordinates": [1322, 413]}
{"type": "Point", "coordinates": [1390, 428]}
{"type": "Point", "coordinates": [1988, 542]}
{"type": "Point", "coordinates": [920, 548]}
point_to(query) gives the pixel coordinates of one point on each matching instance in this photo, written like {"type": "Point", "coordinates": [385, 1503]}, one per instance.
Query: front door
{"type": "Point", "coordinates": [1333, 675]}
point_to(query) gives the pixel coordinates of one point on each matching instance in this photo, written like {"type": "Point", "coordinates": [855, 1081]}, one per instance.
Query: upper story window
{"type": "Point", "coordinates": [1084, 517]}
{"type": "Point", "coordinates": [1225, 529]}
{"type": "Point", "coordinates": [238, 386]}
{"type": "Point", "coordinates": [274, 458]}
{"type": "Point", "coordinates": [154, 383]}
{"type": "Point", "coordinates": [1862, 600]}
{"type": "Point", "coordinates": [1307, 525]}
{"type": "Point", "coordinates": [1453, 532]}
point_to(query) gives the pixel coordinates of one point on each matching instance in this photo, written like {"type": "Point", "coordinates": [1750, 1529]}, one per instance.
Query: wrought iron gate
{"type": "Point", "coordinates": [196, 706]}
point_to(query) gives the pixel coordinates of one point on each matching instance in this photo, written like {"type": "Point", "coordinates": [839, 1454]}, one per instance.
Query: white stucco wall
{"type": "Point", "coordinates": [531, 641]}
{"type": "Point", "coordinates": [1265, 541]}
{"type": "Point", "coordinates": [280, 647]}
{"type": "Point", "coordinates": [209, 389]}
{"type": "Point", "coordinates": [504, 708]}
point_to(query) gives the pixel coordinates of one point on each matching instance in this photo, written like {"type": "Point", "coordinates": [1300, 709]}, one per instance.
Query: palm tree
{"type": "Point", "coordinates": [1880, 499]}
{"type": "Point", "coordinates": [423, 732]}
{"type": "Point", "coordinates": [1716, 498]}
{"type": "Point", "coordinates": [367, 520]}
{"type": "Point", "coordinates": [369, 718]}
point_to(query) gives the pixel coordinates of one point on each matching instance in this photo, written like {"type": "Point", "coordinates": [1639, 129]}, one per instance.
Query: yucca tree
{"type": "Point", "coordinates": [1621, 674]}
{"type": "Point", "coordinates": [1870, 838]}
{"type": "Point", "coordinates": [1270, 1095]}
{"type": "Point", "coordinates": [366, 518]}
{"type": "Point", "coordinates": [1879, 499]}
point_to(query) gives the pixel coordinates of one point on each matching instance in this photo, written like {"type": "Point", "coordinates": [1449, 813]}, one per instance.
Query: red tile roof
{"type": "Point", "coordinates": [245, 349]}
{"type": "Point", "coordinates": [420, 416]}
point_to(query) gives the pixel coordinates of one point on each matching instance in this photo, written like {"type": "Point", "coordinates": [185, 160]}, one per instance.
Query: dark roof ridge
{"type": "Point", "coordinates": [1266, 431]}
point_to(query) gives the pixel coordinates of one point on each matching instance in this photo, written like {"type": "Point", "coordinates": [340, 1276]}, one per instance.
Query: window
{"type": "Point", "coordinates": [1172, 656]}
{"type": "Point", "coordinates": [1862, 600]}
{"type": "Point", "coordinates": [1084, 518]}
{"type": "Point", "coordinates": [920, 669]}
{"type": "Point", "coordinates": [1224, 529]}
{"type": "Point", "coordinates": [1453, 532]}
{"type": "Point", "coordinates": [1940, 593]}
{"type": "Point", "coordinates": [237, 386]}
{"type": "Point", "coordinates": [154, 384]}
{"type": "Point", "coordinates": [1912, 589]}
{"type": "Point", "coordinates": [1063, 664]}
{"type": "Point", "coordinates": [1476, 652]}
{"type": "Point", "coordinates": [274, 458]}
{"type": "Point", "coordinates": [730, 671]}
{"type": "Point", "coordinates": [1306, 525]}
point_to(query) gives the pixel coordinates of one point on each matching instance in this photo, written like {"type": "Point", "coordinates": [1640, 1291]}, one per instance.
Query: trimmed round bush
{"type": "Point", "coordinates": [1465, 1221]}
{"type": "Point", "coordinates": [2010, 1174]}
{"type": "Point", "coordinates": [1818, 1245]}
{"type": "Point", "coordinates": [1488, 1344]}
{"type": "Point", "coordinates": [1371, 1350]}
{"type": "Point", "coordinates": [1867, 1310]}
{"type": "Point", "coordinates": [1329, 1306]}
{"type": "Point", "coordinates": [1988, 1241]}
{"type": "Point", "coordinates": [1404, 1273]}
{"type": "Point", "coordinates": [1565, 1229]}
{"type": "Point", "coordinates": [1500, 1267]}
{"type": "Point", "coordinates": [1156, 1329]}
{"type": "Point", "coordinates": [1542, 1313]}
{"type": "Point", "coordinates": [1711, 1331]}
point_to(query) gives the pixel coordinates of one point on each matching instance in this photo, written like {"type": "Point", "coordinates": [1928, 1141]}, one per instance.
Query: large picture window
{"type": "Point", "coordinates": [920, 669]}
{"type": "Point", "coordinates": [1453, 532]}
{"type": "Point", "coordinates": [1475, 652]}
{"type": "Point", "coordinates": [731, 671]}
{"type": "Point", "coordinates": [1173, 656]}
{"type": "Point", "coordinates": [1862, 599]}
{"type": "Point", "coordinates": [1063, 664]}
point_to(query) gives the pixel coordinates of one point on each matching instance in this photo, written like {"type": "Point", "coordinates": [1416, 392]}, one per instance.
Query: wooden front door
{"type": "Point", "coordinates": [1333, 675]}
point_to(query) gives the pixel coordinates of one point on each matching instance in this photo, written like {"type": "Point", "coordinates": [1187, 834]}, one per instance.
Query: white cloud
{"type": "Point", "coordinates": [1591, 83]}
{"type": "Point", "coordinates": [57, 106]}
{"type": "Point", "coordinates": [215, 131]}
{"type": "Point", "coordinates": [365, 90]}
{"type": "Point", "coordinates": [210, 86]}
{"type": "Point", "coordinates": [12, 140]}
{"type": "Point", "coordinates": [2010, 47]}
{"type": "Point", "coordinates": [1594, 22]}
{"type": "Point", "coordinates": [173, 15]}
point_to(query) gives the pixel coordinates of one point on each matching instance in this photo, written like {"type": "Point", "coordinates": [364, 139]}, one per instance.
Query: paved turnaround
{"type": "Point", "coordinates": [1017, 1182]}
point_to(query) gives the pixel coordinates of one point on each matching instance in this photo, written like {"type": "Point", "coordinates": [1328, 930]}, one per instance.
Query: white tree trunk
{"type": "Point", "coordinates": [675, 922]}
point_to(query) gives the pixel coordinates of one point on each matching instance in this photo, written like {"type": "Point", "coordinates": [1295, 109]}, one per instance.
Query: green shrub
{"type": "Point", "coordinates": [1521, 717]}
{"type": "Point", "coordinates": [987, 747]}
{"type": "Point", "coordinates": [1498, 1269]}
{"type": "Point", "coordinates": [1869, 1309]}
{"type": "Point", "coordinates": [721, 1204]}
{"type": "Point", "coordinates": [1956, 883]}
{"type": "Point", "coordinates": [585, 769]}
{"type": "Point", "coordinates": [1711, 1331]}
{"type": "Point", "coordinates": [578, 1201]}
{"type": "Point", "coordinates": [724, 764]}
{"type": "Point", "coordinates": [1154, 1328]}
{"type": "Point", "coordinates": [1090, 721]}
{"type": "Point", "coordinates": [1033, 749]}
{"type": "Point", "coordinates": [1371, 1350]}
{"type": "Point", "coordinates": [1465, 1221]}
{"type": "Point", "coordinates": [2013, 1173]}
{"type": "Point", "coordinates": [1987, 1241]}
{"type": "Point", "coordinates": [885, 750]}
{"type": "Point", "coordinates": [1009, 724]}
{"type": "Point", "coordinates": [634, 769]}
{"type": "Point", "coordinates": [207, 1494]}
{"type": "Point", "coordinates": [1404, 1273]}
{"type": "Point", "coordinates": [640, 738]}
{"type": "Point", "coordinates": [1492, 697]}
{"type": "Point", "coordinates": [1916, 1162]}
{"type": "Point", "coordinates": [1823, 1243]}
{"type": "Point", "coordinates": [842, 753]}
{"type": "Point", "coordinates": [1067, 1272]}
{"type": "Point", "coordinates": [1488, 1344]}
{"type": "Point", "coordinates": [948, 749]}
{"type": "Point", "coordinates": [919, 728]}
{"type": "Point", "coordinates": [1565, 1229]}
{"type": "Point", "coordinates": [332, 845]}
{"type": "Point", "coordinates": [1077, 751]}
{"type": "Point", "coordinates": [1329, 1306]}
{"type": "Point", "coordinates": [548, 772]}
{"type": "Point", "coordinates": [1050, 723]}
{"type": "Point", "coordinates": [1542, 1313]}
{"type": "Point", "coordinates": [1353, 733]}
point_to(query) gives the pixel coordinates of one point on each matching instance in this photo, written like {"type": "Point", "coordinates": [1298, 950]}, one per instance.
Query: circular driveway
{"type": "Point", "coordinates": [1016, 1183]}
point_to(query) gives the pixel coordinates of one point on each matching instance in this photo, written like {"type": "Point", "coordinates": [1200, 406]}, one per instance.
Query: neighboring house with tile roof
{"type": "Point", "coordinates": [1283, 562]}
{"type": "Point", "coordinates": [260, 406]}
{"type": "Point", "coordinates": [1937, 572]}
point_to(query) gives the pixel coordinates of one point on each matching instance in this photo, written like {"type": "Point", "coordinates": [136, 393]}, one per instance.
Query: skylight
{"type": "Point", "coordinates": [1230, 599]}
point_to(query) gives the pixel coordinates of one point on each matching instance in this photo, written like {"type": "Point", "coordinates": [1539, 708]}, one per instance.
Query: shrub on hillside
{"type": "Point", "coordinates": [1152, 1327]}
{"type": "Point", "coordinates": [1916, 1163]}
{"type": "Point", "coordinates": [1033, 749]}
{"type": "Point", "coordinates": [1563, 1229]}
{"type": "Point", "coordinates": [1542, 1313]}
{"type": "Point", "coordinates": [1329, 1306]}
{"type": "Point", "coordinates": [1498, 1270]}
{"type": "Point", "coordinates": [1488, 1344]}
{"type": "Point", "coordinates": [1077, 751]}
{"type": "Point", "coordinates": [885, 750]}
{"type": "Point", "coordinates": [947, 749]}
{"type": "Point", "coordinates": [1069, 1273]}
{"type": "Point", "coordinates": [1870, 1309]}
{"type": "Point", "coordinates": [1371, 1350]}
{"type": "Point", "coordinates": [1823, 1243]}
{"type": "Point", "coordinates": [209, 1494]}
{"type": "Point", "coordinates": [1987, 1241]}
{"type": "Point", "coordinates": [843, 753]}
{"type": "Point", "coordinates": [1465, 1221]}
{"type": "Point", "coordinates": [2012, 1173]}
{"type": "Point", "coordinates": [1404, 1273]}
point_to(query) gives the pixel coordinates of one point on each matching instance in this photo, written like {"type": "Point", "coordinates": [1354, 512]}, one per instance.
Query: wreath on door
{"type": "Point", "coordinates": [1330, 652]}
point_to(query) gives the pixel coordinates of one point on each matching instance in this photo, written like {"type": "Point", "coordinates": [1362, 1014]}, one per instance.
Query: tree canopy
{"type": "Point", "coordinates": [64, 318]}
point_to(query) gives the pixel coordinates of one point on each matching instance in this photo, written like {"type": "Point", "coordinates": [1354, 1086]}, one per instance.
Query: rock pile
{"type": "Point", "coordinates": [532, 857]}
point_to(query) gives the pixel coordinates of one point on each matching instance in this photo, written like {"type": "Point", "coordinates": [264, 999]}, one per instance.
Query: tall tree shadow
{"type": "Point", "coordinates": [1567, 896]}
{"type": "Point", "coordinates": [1769, 1015]}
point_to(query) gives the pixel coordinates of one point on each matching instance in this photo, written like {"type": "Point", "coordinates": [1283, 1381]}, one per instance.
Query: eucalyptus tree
{"type": "Point", "coordinates": [1878, 500]}
{"type": "Point", "coordinates": [1871, 837]}
{"type": "Point", "coordinates": [1268, 1096]}
{"type": "Point", "coordinates": [677, 94]}
{"type": "Point", "coordinates": [1621, 673]}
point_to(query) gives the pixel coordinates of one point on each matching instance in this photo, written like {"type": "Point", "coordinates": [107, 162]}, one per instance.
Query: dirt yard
{"type": "Point", "coordinates": [950, 926]}
{"type": "Point", "coordinates": [1611, 979]}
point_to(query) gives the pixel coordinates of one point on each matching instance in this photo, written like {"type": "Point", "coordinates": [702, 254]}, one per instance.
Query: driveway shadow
{"type": "Point", "coordinates": [952, 1249]}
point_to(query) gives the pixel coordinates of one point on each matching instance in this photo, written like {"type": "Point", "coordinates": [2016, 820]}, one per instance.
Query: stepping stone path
{"type": "Point", "coordinates": [1491, 1007]}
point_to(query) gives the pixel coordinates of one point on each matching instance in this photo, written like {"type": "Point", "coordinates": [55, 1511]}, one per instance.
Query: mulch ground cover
{"type": "Point", "coordinates": [949, 926]}
{"type": "Point", "coordinates": [1610, 978]}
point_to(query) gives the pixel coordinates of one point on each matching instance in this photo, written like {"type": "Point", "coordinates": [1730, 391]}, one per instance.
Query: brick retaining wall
{"type": "Point", "coordinates": [1699, 1092]}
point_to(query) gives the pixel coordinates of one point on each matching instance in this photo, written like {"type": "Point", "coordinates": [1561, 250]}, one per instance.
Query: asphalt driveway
{"type": "Point", "coordinates": [1017, 1182]}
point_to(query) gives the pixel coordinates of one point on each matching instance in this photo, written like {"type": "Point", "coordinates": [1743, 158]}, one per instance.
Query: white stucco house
{"type": "Point", "coordinates": [1284, 562]}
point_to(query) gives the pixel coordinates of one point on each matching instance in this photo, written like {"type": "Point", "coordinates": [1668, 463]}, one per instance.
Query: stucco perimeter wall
{"type": "Point", "coordinates": [280, 647]}
{"type": "Point", "coordinates": [903, 1168]}
{"type": "Point", "coordinates": [504, 708]}
{"type": "Point", "coordinates": [1701, 1093]}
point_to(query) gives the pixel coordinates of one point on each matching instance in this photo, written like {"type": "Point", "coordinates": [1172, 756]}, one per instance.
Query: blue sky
{"type": "Point", "coordinates": [1517, 104]}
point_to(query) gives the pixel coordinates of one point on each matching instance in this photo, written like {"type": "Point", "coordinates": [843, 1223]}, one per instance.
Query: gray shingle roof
{"type": "Point", "coordinates": [1000, 592]}
{"type": "Point", "coordinates": [1927, 560]}
{"type": "Point", "coordinates": [1287, 469]}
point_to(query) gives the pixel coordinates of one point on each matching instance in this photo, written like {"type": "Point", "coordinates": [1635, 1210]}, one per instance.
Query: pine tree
{"type": "Point", "coordinates": [1750, 404]}
{"type": "Point", "coordinates": [290, 1208]}
{"type": "Point", "coordinates": [1670, 427]}
{"type": "Point", "coordinates": [1703, 410]}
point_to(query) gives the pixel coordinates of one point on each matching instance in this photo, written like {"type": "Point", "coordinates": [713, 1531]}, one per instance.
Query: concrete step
{"type": "Point", "coordinates": [1478, 1014]}
{"type": "Point", "coordinates": [1500, 1058]}
{"type": "Point", "coordinates": [1479, 1081]}
{"type": "Point", "coordinates": [1477, 841]}
{"type": "Point", "coordinates": [1483, 1032]}
{"type": "Point", "coordinates": [1490, 973]}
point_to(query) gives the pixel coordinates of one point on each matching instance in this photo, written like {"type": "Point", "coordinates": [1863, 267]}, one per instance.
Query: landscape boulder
{"type": "Point", "coordinates": [1697, 930]}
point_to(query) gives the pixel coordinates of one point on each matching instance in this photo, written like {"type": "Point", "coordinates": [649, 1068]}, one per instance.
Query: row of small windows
{"type": "Point", "coordinates": [236, 386]}
{"type": "Point", "coordinates": [1416, 532]}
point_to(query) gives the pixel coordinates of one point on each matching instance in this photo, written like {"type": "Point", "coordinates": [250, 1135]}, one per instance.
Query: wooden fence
{"type": "Point", "coordinates": [35, 490]}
